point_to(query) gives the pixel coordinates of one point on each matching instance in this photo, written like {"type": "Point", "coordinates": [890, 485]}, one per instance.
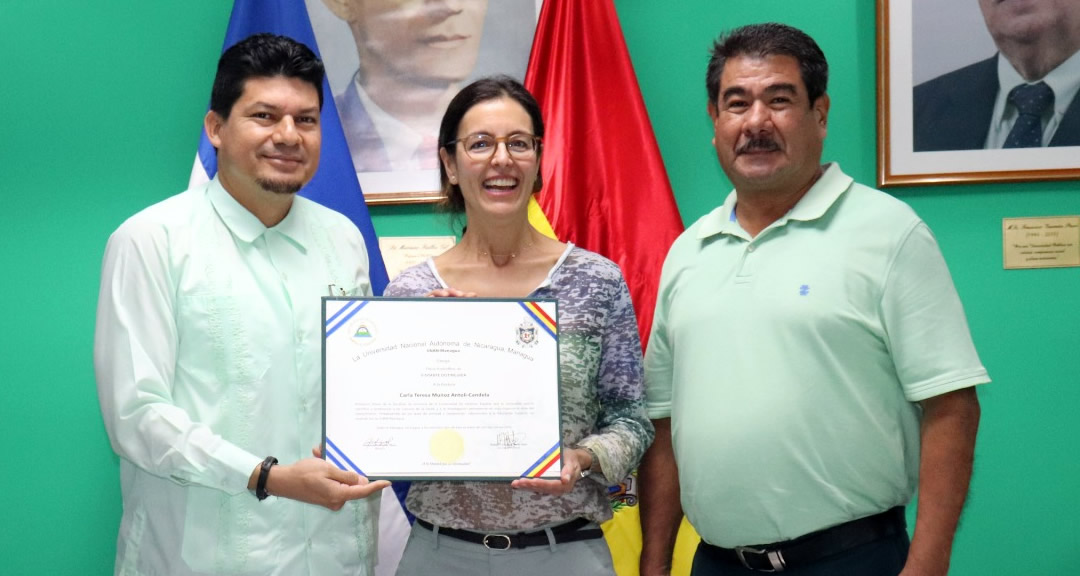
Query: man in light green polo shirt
{"type": "Point", "coordinates": [810, 364]}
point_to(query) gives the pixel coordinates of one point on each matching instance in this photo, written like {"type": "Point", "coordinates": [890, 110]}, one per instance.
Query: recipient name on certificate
{"type": "Point", "coordinates": [441, 388]}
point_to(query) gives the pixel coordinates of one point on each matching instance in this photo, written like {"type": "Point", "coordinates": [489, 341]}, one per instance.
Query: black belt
{"type": "Point", "coordinates": [814, 546]}
{"type": "Point", "coordinates": [568, 532]}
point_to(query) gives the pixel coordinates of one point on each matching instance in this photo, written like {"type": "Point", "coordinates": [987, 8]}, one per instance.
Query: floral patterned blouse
{"type": "Point", "coordinates": [601, 390]}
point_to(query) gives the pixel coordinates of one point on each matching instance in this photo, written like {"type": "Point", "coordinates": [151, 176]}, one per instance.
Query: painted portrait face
{"type": "Point", "coordinates": [1028, 21]}
{"type": "Point", "coordinates": [428, 42]}
{"type": "Point", "coordinates": [767, 133]}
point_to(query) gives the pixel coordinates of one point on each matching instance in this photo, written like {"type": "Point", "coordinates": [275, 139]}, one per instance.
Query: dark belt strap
{"type": "Point", "coordinates": [568, 532]}
{"type": "Point", "coordinates": [815, 546]}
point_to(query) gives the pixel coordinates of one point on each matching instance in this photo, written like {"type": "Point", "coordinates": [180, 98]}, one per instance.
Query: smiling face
{"type": "Point", "coordinates": [430, 42]}
{"type": "Point", "coordinates": [271, 139]}
{"type": "Point", "coordinates": [502, 183]}
{"type": "Point", "coordinates": [1031, 21]}
{"type": "Point", "coordinates": [768, 136]}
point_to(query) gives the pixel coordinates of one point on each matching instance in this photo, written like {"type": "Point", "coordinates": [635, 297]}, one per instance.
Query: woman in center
{"type": "Point", "coordinates": [491, 139]}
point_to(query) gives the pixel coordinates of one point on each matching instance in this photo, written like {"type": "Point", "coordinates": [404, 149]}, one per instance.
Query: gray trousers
{"type": "Point", "coordinates": [429, 554]}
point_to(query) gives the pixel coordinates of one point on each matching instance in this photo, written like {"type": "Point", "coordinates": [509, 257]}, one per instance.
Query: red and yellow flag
{"type": "Point", "coordinates": [605, 188]}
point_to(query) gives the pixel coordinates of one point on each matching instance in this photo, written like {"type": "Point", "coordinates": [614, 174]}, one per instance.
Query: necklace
{"type": "Point", "coordinates": [512, 254]}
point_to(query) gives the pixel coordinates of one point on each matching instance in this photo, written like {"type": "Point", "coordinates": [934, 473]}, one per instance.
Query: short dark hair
{"type": "Point", "coordinates": [760, 40]}
{"type": "Point", "coordinates": [262, 56]}
{"type": "Point", "coordinates": [483, 90]}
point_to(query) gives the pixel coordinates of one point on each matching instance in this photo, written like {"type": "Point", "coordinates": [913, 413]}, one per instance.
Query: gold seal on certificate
{"type": "Point", "coordinates": [441, 388]}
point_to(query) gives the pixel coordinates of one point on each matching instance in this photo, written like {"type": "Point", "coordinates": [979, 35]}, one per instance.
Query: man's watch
{"type": "Point", "coordinates": [264, 474]}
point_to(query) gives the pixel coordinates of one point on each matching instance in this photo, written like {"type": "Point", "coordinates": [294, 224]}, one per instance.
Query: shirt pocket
{"type": "Point", "coordinates": [231, 534]}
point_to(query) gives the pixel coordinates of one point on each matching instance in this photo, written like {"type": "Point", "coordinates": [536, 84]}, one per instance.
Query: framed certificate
{"type": "Point", "coordinates": [441, 388]}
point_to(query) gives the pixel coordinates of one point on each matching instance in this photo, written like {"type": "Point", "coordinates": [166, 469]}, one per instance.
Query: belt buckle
{"type": "Point", "coordinates": [775, 558]}
{"type": "Point", "coordinates": [489, 546]}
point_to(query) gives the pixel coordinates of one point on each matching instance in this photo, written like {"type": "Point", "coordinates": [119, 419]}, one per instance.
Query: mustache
{"type": "Point", "coordinates": [763, 144]}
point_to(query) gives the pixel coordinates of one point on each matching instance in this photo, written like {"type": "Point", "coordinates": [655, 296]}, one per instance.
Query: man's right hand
{"type": "Point", "coordinates": [318, 482]}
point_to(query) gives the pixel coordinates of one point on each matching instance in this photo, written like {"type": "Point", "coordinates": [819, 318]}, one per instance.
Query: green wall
{"type": "Point", "coordinates": [102, 104]}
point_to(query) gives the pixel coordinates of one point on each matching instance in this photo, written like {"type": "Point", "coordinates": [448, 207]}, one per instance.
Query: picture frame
{"type": "Point", "coordinates": [394, 152]}
{"type": "Point", "coordinates": [952, 34]}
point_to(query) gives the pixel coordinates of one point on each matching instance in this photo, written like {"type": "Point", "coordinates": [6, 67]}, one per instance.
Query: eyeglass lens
{"type": "Point", "coordinates": [484, 145]}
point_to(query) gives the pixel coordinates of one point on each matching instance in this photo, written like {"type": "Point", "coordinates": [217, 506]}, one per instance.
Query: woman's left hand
{"type": "Point", "coordinates": [574, 461]}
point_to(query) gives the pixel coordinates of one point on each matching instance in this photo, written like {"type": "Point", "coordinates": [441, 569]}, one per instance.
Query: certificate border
{"type": "Point", "coordinates": [532, 471]}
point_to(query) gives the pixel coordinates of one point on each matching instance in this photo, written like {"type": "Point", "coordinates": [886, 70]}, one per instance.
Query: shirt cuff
{"type": "Point", "coordinates": [237, 469]}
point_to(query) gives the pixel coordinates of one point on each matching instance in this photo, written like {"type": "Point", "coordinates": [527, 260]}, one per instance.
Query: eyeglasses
{"type": "Point", "coordinates": [482, 146]}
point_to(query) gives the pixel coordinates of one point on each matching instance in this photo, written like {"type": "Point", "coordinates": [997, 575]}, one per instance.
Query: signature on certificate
{"type": "Point", "coordinates": [379, 442]}
{"type": "Point", "coordinates": [509, 439]}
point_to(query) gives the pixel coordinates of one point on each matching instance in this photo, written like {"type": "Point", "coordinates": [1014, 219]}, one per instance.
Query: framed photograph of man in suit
{"type": "Point", "coordinates": [394, 65]}
{"type": "Point", "coordinates": [978, 91]}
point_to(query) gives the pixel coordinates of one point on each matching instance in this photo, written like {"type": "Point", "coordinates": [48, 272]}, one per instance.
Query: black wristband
{"type": "Point", "coordinates": [264, 473]}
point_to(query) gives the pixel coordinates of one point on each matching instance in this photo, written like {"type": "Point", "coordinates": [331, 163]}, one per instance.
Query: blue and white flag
{"type": "Point", "coordinates": [334, 186]}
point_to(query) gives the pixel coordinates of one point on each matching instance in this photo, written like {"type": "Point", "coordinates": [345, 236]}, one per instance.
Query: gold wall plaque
{"type": "Point", "coordinates": [1051, 242]}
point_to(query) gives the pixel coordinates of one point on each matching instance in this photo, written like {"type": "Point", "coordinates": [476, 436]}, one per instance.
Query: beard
{"type": "Point", "coordinates": [280, 186]}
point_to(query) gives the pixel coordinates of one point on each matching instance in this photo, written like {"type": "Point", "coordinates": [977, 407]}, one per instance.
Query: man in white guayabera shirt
{"type": "Point", "coordinates": [207, 348]}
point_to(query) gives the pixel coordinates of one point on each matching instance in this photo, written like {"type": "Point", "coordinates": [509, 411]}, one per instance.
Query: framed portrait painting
{"type": "Point", "coordinates": [393, 67]}
{"type": "Point", "coordinates": [953, 107]}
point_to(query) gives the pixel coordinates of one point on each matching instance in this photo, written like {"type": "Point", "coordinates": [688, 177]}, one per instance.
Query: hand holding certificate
{"type": "Point", "coordinates": [442, 388]}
